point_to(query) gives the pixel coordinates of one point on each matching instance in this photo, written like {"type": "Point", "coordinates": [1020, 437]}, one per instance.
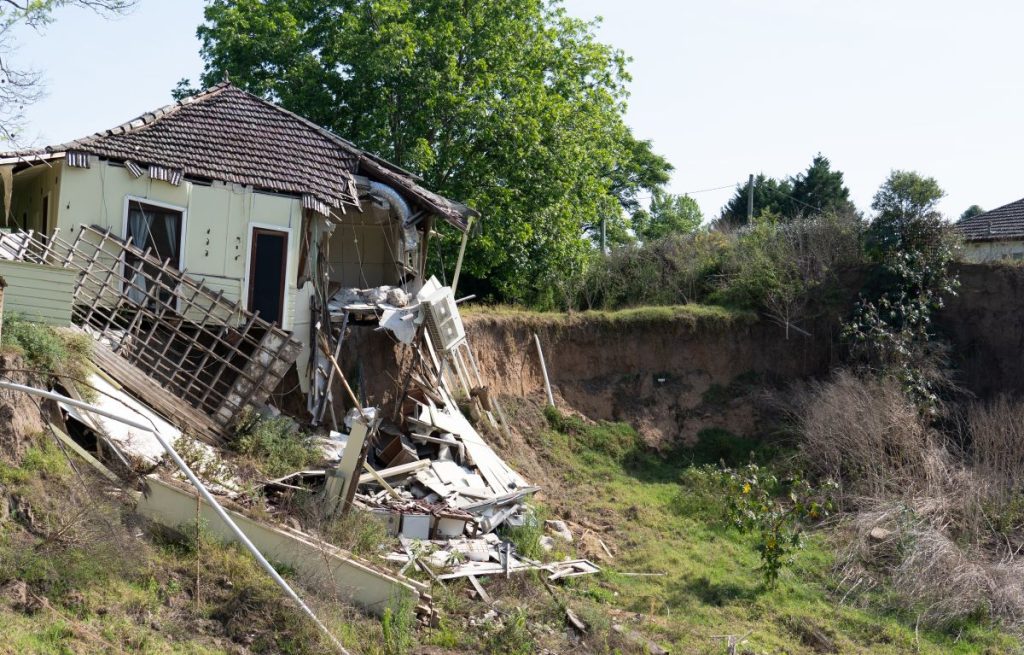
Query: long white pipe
{"type": "Point", "coordinates": [462, 253]}
{"type": "Point", "coordinates": [200, 487]}
{"type": "Point", "coordinates": [544, 370]}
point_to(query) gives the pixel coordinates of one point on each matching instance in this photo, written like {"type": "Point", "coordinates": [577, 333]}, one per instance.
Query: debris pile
{"type": "Point", "coordinates": [428, 474]}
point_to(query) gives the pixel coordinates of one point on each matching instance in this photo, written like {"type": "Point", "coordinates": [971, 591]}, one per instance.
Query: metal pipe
{"type": "Point", "coordinates": [200, 487]}
{"type": "Point", "coordinates": [544, 370]}
{"type": "Point", "coordinates": [462, 252]}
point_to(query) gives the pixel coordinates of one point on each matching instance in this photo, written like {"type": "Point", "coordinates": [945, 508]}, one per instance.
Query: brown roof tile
{"type": "Point", "coordinates": [1001, 223]}
{"type": "Point", "coordinates": [227, 134]}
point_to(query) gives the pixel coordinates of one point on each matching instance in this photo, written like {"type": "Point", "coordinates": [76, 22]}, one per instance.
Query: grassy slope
{"type": "Point", "coordinates": [696, 315]}
{"type": "Point", "coordinates": [667, 519]}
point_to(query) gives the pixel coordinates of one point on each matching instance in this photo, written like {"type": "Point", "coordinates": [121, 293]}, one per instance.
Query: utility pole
{"type": "Point", "coordinates": [750, 199]}
{"type": "Point", "coordinates": [604, 236]}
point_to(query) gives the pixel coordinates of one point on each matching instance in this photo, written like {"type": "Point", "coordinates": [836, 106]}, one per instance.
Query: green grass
{"type": "Point", "coordinates": [668, 517]}
{"type": "Point", "coordinates": [46, 349]}
{"type": "Point", "coordinates": [693, 314]}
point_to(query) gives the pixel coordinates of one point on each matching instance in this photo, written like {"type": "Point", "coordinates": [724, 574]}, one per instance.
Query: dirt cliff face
{"type": "Point", "coordinates": [984, 323]}
{"type": "Point", "coordinates": [669, 376]}
{"type": "Point", "coordinates": [19, 413]}
{"type": "Point", "coordinates": [672, 373]}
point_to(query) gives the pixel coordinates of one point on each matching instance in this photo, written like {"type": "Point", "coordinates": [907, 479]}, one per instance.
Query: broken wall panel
{"type": "Point", "coordinates": [196, 346]}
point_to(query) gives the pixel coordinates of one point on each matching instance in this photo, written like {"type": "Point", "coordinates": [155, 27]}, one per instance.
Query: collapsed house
{"type": "Point", "coordinates": [223, 249]}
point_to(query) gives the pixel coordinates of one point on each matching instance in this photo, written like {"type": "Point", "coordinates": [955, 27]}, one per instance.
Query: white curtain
{"type": "Point", "coordinates": [138, 225]}
{"type": "Point", "coordinates": [171, 227]}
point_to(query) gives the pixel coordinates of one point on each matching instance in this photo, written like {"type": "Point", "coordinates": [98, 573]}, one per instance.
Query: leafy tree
{"type": "Point", "coordinates": [971, 212]}
{"type": "Point", "coordinates": [510, 105]}
{"type": "Point", "coordinates": [769, 195]}
{"type": "Point", "coordinates": [819, 190]}
{"type": "Point", "coordinates": [20, 86]}
{"type": "Point", "coordinates": [890, 331]}
{"type": "Point", "coordinates": [667, 214]}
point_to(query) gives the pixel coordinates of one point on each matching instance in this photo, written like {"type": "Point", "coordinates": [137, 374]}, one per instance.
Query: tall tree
{"type": "Point", "coordinates": [21, 86]}
{"type": "Point", "coordinates": [770, 195]}
{"type": "Point", "coordinates": [819, 190]}
{"type": "Point", "coordinates": [667, 214]}
{"type": "Point", "coordinates": [891, 327]}
{"type": "Point", "coordinates": [510, 105]}
{"type": "Point", "coordinates": [971, 212]}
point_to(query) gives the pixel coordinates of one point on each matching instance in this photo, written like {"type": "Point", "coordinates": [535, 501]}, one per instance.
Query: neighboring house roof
{"type": "Point", "coordinates": [230, 135]}
{"type": "Point", "coordinates": [999, 224]}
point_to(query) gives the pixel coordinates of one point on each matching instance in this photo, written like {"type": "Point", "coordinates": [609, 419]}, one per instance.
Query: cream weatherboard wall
{"type": "Point", "coordinates": [988, 251]}
{"type": "Point", "coordinates": [217, 225]}
{"type": "Point", "coordinates": [38, 293]}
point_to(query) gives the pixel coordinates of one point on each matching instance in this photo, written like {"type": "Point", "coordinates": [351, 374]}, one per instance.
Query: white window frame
{"type": "Point", "coordinates": [128, 199]}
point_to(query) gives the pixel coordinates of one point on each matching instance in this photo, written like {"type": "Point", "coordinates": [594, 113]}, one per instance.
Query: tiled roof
{"type": "Point", "coordinates": [1006, 222]}
{"type": "Point", "coordinates": [229, 135]}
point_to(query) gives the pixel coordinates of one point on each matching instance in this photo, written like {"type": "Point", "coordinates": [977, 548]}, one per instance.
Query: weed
{"type": "Point", "coordinates": [526, 537]}
{"type": "Point", "coordinates": [773, 509]}
{"type": "Point", "coordinates": [358, 531]}
{"type": "Point", "coordinates": [511, 636]}
{"type": "Point", "coordinates": [276, 445]}
{"type": "Point", "coordinates": [47, 349]}
{"type": "Point", "coordinates": [398, 624]}
{"type": "Point", "coordinates": [616, 440]}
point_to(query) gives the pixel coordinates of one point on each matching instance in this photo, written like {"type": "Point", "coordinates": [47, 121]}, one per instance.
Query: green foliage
{"type": "Point", "coordinates": [971, 212]}
{"type": "Point", "coordinates": [358, 531]}
{"type": "Point", "coordinates": [512, 106]}
{"type": "Point", "coordinates": [770, 195]}
{"type": "Point", "coordinates": [46, 349]}
{"type": "Point", "coordinates": [890, 329]}
{"type": "Point", "coordinates": [774, 510]}
{"type": "Point", "coordinates": [667, 215]}
{"type": "Point", "coordinates": [398, 624]}
{"type": "Point", "coordinates": [41, 460]}
{"type": "Point", "coordinates": [615, 440]}
{"type": "Point", "coordinates": [511, 637]}
{"type": "Point", "coordinates": [526, 538]}
{"type": "Point", "coordinates": [275, 444]}
{"type": "Point", "coordinates": [819, 190]}
{"type": "Point", "coordinates": [773, 266]}
{"type": "Point", "coordinates": [717, 445]}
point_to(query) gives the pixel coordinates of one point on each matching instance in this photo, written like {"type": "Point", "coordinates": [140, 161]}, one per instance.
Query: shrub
{"type": "Point", "coordinates": [866, 433]}
{"type": "Point", "coordinates": [47, 349]}
{"type": "Point", "coordinates": [996, 443]}
{"type": "Point", "coordinates": [758, 502]}
{"type": "Point", "coordinates": [276, 445]}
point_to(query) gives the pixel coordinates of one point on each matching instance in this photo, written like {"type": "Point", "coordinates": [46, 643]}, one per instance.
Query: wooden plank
{"type": "Point", "coordinates": [395, 471]}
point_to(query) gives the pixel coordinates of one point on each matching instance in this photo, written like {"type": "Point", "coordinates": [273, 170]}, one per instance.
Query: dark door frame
{"type": "Point", "coordinates": [250, 271]}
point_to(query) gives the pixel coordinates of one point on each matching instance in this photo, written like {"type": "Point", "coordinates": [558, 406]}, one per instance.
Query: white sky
{"type": "Point", "coordinates": [723, 87]}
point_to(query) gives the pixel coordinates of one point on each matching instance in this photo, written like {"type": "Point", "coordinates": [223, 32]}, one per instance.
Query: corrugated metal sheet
{"type": "Point", "coordinates": [37, 292]}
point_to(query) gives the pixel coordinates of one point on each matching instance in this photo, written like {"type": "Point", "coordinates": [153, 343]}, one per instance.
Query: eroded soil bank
{"type": "Point", "coordinates": [672, 372]}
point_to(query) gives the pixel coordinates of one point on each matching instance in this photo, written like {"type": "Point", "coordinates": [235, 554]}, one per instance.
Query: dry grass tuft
{"type": "Point", "coordinates": [940, 527]}
{"type": "Point", "coordinates": [868, 435]}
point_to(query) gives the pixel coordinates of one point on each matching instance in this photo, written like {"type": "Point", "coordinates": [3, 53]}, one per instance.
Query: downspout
{"type": "Point", "coordinates": [400, 211]}
{"type": "Point", "coordinates": [396, 202]}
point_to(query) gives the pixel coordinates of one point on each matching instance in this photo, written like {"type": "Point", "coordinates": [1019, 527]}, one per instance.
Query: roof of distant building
{"type": "Point", "coordinates": [1001, 223]}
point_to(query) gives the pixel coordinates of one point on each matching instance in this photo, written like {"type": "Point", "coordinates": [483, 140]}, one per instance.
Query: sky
{"type": "Point", "coordinates": [722, 88]}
